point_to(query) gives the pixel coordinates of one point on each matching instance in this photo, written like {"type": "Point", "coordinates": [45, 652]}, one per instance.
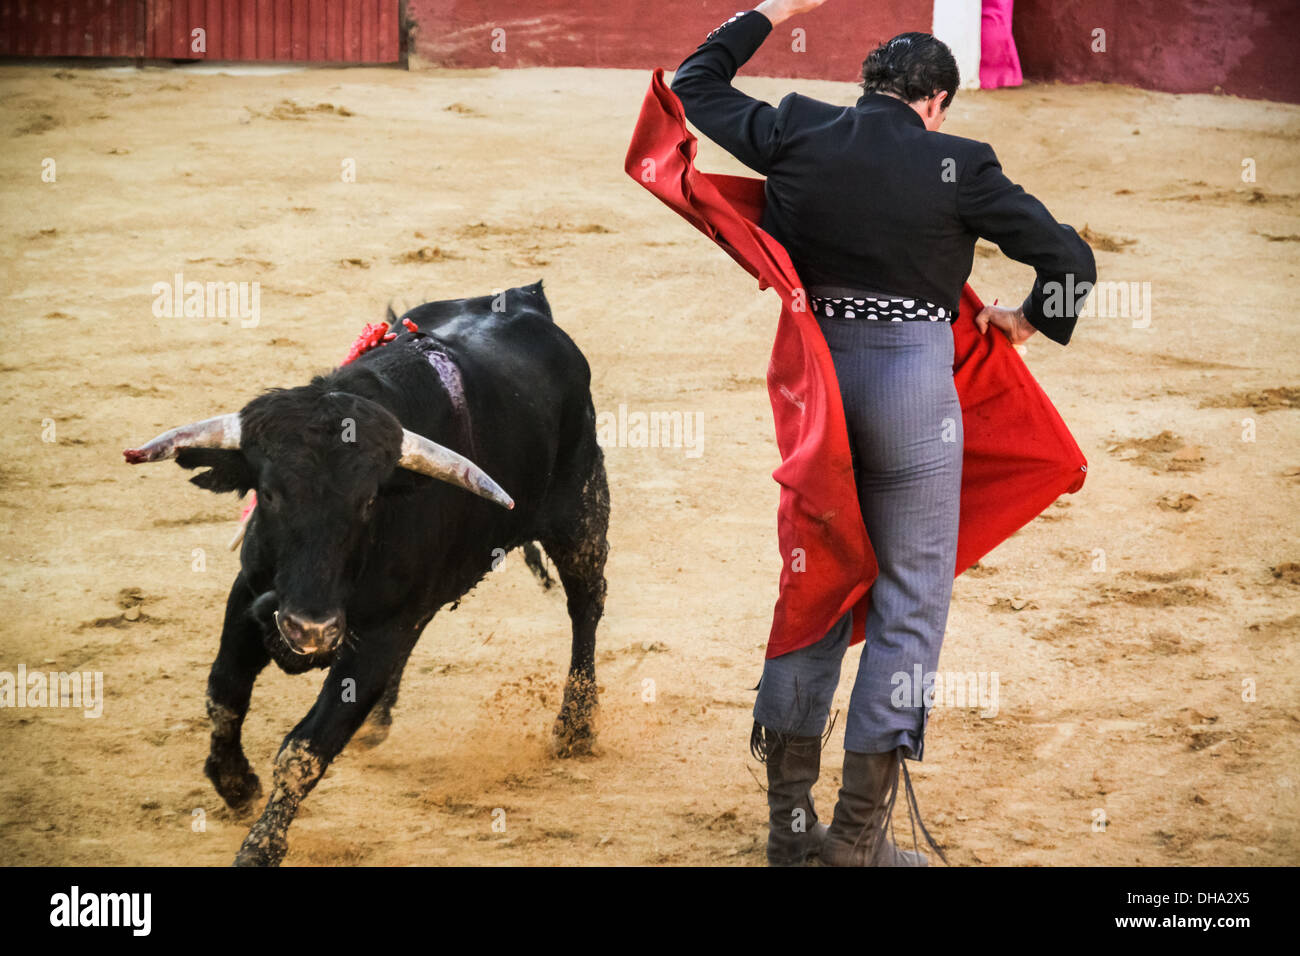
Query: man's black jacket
{"type": "Point", "coordinates": [867, 197]}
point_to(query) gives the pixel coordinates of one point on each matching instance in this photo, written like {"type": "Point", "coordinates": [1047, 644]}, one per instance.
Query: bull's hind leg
{"type": "Point", "coordinates": [230, 687]}
{"type": "Point", "coordinates": [579, 548]}
{"type": "Point", "coordinates": [354, 685]}
{"type": "Point", "coordinates": [379, 722]}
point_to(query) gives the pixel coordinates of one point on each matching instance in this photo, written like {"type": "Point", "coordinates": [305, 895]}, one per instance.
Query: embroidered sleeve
{"type": "Point", "coordinates": [718, 29]}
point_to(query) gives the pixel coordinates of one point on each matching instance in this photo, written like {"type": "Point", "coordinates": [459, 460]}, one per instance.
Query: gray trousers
{"type": "Point", "coordinates": [905, 432]}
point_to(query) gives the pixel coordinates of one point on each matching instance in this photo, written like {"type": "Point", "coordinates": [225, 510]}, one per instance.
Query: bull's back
{"type": "Point", "coordinates": [506, 339]}
{"type": "Point", "coordinates": [526, 386]}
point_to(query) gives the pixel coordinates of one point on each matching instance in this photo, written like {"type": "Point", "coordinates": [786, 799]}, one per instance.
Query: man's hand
{"type": "Point", "coordinates": [1011, 321]}
{"type": "Point", "coordinates": [779, 11]}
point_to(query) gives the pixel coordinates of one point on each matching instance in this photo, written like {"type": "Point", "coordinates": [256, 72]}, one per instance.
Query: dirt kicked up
{"type": "Point", "coordinates": [1140, 635]}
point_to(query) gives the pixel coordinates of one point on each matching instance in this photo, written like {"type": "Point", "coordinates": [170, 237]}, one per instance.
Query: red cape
{"type": "Point", "coordinates": [1019, 456]}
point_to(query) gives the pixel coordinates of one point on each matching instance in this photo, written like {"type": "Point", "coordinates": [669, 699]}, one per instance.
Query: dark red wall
{"type": "Point", "coordinates": [643, 34]}
{"type": "Point", "coordinates": [1246, 47]}
{"type": "Point", "coordinates": [72, 28]}
{"type": "Point", "coordinates": [356, 31]}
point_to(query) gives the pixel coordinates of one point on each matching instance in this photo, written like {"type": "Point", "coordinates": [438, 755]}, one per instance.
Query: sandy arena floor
{"type": "Point", "coordinates": [1121, 690]}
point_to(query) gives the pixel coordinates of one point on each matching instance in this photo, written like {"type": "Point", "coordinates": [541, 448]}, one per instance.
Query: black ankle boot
{"type": "Point", "coordinates": [793, 764]}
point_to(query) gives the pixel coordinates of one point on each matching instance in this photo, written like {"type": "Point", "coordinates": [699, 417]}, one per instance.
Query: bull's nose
{"type": "Point", "coordinates": [306, 636]}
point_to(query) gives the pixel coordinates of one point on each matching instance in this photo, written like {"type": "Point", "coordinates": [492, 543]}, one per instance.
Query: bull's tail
{"type": "Point", "coordinates": [537, 564]}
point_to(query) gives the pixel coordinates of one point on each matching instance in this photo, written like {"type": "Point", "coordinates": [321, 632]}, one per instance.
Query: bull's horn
{"type": "Point", "coordinates": [219, 432]}
{"type": "Point", "coordinates": [429, 458]}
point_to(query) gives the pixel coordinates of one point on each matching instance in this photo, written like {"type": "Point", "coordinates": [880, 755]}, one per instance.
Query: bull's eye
{"type": "Point", "coordinates": [370, 506]}
{"type": "Point", "coordinates": [265, 498]}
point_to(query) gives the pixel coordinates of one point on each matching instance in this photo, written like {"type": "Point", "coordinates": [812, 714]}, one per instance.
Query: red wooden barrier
{"type": "Point", "coordinates": [342, 31]}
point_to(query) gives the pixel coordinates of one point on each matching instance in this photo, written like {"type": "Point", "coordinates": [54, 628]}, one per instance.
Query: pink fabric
{"type": "Point", "coordinates": [999, 62]}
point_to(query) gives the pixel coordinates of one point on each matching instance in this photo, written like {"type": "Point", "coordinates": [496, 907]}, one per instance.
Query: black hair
{"type": "Point", "coordinates": [913, 66]}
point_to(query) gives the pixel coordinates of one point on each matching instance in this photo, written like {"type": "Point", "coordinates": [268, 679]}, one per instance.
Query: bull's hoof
{"type": "Point", "coordinates": [238, 786]}
{"type": "Point", "coordinates": [372, 733]}
{"type": "Point", "coordinates": [572, 737]}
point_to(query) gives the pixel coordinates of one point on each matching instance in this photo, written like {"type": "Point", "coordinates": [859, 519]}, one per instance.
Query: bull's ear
{"type": "Point", "coordinates": [228, 470]}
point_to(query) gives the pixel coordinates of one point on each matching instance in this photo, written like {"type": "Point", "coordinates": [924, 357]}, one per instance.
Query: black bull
{"type": "Point", "coordinates": [349, 554]}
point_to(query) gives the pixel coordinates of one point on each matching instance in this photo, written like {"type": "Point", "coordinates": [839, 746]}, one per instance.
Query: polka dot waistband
{"type": "Point", "coordinates": [880, 309]}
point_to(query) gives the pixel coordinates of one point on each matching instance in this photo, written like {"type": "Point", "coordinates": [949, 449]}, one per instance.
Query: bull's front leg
{"type": "Point", "coordinates": [230, 687]}
{"type": "Point", "coordinates": [354, 685]}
